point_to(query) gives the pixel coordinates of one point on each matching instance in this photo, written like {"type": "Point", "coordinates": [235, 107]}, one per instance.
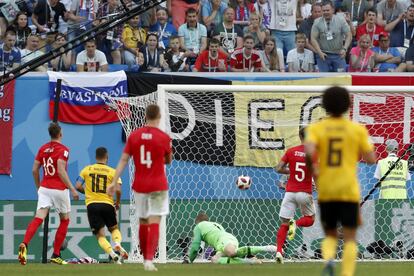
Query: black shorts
{"type": "Point", "coordinates": [100, 215]}
{"type": "Point", "coordinates": [334, 213]}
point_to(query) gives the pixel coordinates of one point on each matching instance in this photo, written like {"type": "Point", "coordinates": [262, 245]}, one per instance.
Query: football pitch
{"type": "Point", "coordinates": [292, 269]}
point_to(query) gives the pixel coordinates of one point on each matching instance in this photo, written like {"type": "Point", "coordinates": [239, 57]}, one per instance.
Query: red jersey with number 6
{"type": "Point", "coordinates": [48, 155]}
{"type": "Point", "coordinates": [148, 146]}
{"type": "Point", "coordinates": [300, 178]}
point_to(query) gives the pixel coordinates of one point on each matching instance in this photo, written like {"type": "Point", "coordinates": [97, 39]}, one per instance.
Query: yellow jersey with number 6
{"type": "Point", "coordinates": [96, 178]}
{"type": "Point", "coordinates": [339, 145]}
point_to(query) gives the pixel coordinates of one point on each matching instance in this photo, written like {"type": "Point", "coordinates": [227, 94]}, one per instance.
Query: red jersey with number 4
{"type": "Point", "coordinates": [300, 178]}
{"type": "Point", "coordinates": [148, 146]}
{"type": "Point", "coordinates": [48, 155]}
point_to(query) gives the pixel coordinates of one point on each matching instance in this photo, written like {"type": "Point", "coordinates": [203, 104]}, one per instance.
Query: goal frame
{"type": "Point", "coordinates": [162, 89]}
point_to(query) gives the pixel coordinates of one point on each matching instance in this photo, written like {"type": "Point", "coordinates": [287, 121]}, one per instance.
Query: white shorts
{"type": "Point", "coordinates": [301, 200]}
{"type": "Point", "coordinates": [59, 199]}
{"type": "Point", "coordinates": [152, 204]}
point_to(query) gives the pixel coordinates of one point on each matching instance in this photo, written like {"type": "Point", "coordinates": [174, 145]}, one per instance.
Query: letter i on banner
{"type": "Point", "coordinates": [6, 126]}
{"type": "Point", "coordinates": [46, 220]}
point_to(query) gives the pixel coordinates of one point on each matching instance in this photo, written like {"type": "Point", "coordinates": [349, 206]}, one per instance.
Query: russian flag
{"type": "Point", "coordinates": [82, 99]}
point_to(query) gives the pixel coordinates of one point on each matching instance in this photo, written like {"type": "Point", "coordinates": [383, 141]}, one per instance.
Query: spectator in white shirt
{"type": "Point", "coordinates": [300, 59]}
{"type": "Point", "coordinates": [32, 51]}
{"type": "Point", "coordinates": [91, 59]}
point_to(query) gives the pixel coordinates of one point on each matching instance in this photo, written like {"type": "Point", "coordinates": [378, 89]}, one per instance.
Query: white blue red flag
{"type": "Point", "coordinates": [82, 99]}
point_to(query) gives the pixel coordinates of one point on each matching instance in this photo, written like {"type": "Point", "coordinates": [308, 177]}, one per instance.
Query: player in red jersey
{"type": "Point", "coordinates": [298, 194]}
{"type": "Point", "coordinates": [53, 191]}
{"type": "Point", "coordinates": [150, 149]}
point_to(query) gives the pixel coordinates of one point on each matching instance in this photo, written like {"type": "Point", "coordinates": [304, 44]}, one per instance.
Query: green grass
{"type": "Point", "coordinates": [288, 269]}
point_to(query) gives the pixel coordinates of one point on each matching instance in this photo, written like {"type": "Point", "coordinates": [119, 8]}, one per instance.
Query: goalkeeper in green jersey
{"type": "Point", "coordinates": [226, 245]}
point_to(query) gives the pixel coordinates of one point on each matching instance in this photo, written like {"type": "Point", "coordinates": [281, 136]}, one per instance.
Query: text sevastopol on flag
{"type": "Point", "coordinates": [82, 99]}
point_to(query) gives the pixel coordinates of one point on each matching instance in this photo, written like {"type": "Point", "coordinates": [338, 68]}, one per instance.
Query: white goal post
{"type": "Point", "coordinates": [222, 131]}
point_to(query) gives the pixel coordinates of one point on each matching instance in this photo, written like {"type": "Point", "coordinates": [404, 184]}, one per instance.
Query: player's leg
{"type": "Point", "coordinates": [349, 221]}
{"type": "Point", "coordinates": [329, 219]}
{"type": "Point", "coordinates": [252, 250]}
{"type": "Point", "coordinates": [43, 204]}
{"type": "Point", "coordinates": [109, 216]}
{"type": "Point", "coordinates": [150, 208]}
{"type": "Point", "coordinates": [307, 208]}
{"type": "Point", "coordinates": [61, 202]}
{"type": "Point", "coordinates": [96, 217]}
{"type": "Point", "coordinates": [286, 213]}
{"type": "Point", "coordinates": [236, 260]}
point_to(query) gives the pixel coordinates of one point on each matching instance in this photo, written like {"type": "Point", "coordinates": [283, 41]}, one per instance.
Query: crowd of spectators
{"type": "Point", "coordinates": [214, 35]}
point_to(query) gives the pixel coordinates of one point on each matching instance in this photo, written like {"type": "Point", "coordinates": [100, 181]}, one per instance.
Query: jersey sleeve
{"type": "Point", "coordinates": [64, 154]}
{"type": "Point", "coordinates": [81, 177]}
{"type": "Point", "coordinates": [128, 147]}
{"type": "Point", "coordinates": [195, 243]}
{"type": "Point", "coordinates": [285, 157]}
{"type": "Point", "coordinates": [38, 157]}
{"type": "Point", "coordinates": [311, 136]}
{"type": "Point", "coordinates": [365, 145]}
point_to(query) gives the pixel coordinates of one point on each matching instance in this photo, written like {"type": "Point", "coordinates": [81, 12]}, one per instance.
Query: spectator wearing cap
{"type": "Point", "coordinates": [388, 59]}
{"type": "Point", "coordinates": [370, 27]}
{"type": "Point", "coordinates": [402, 29]}
{"type": "Point", "coordinates": [394, 185]}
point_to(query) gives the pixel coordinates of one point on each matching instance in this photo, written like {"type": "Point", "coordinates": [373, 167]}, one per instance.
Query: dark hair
{"type": "Point", "coordinates": [91, 40]}
{"type": "Point", "coordinates": [152, 112]}
{"type": "Point", "coordinates": [190, 10]}
{"type": "Point", "coordinates": [327, 2]}
{"type": "Point", "coordinates": [214, 41]}
{"type": "Point", "coordinates": [54, 130]}
{"type": "Point", "coordinates": [16, 19]}
{"type": "Point", "coordinates": [372, 9]}
{"type": "Point", "coordinates": [154, 34]}
{"type": "Point", "coordinates": [336, 100]}
{"type": "Point", "coordinates": [302, 132]}
{"type": "Point", "coordinates": [174, 37]}
{"type": "Point", "coordinates": [201, 217]}
{"type": "Point", "coordinates": [59, 35]}
{"type": "Point", "coordinates": [10, 32]}
{"type": "Point", "coordinates": [248, 37]}
{"type": "Point", "coordinates": [101, 153]}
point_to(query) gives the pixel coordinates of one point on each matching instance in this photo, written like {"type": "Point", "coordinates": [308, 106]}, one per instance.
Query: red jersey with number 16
{"type": "Point", "coordinates": [300, 178]}
{"type": "Point", "coordinates": [48, 155]}
{"type": "Point", "coordinates": [148, 146]}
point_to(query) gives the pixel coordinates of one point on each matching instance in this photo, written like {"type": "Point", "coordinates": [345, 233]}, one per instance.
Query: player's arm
{"type": "Point", "coordinates": [80, 181]}
{"type": "Point", "coordinates": [282, 167]}
{"type": "Point", "coordinates": [366, 147]}
{"type": "Point", "coordinates": [118, 197]}
{"type": "Point", "coordinates": [195, 244]}
{"type": "Point", "coordinates": [63, 175]}
{"type": "Point", "coordinates": [168, 158]}
{"type": "Point", "coordinates": [370, 157]}
{"type": "Point", "coordinates": [310, 150]}
{"type": "Point", "coordinates": [123, 161]}
{"type": "Point", "coordinates": [36, 174]}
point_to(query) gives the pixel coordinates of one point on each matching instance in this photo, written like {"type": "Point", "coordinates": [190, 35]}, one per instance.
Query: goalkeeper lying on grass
{"type": "Point", "coordinates": [225, 244]}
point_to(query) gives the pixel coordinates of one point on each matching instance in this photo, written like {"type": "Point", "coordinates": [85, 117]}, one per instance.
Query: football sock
{"type": "Point", "coordinates": [60, 235]}
{"type": "Point", "coordinates": [253, 250]}
{"type": "Point", "coordinates": [349, 258]}
{"type": "Point", "coordinates": [31, 229]}
{"type": "Point", "coordinates": [234, 260]}
{"type": "Point", "coordinates": [152, 239]}
{"type": "Point", "coordinates": [329, 245]}
{"type": "Point", "coordinates": [305, 221]}
{"type": "Point", "coordinates": [104, 244]}
{"type": "Point", "coordinates": [116, 236]}
{"type": "Point", "coordinates": [143, 229]}
{"type": "Point", "coordinates": [281, 237]}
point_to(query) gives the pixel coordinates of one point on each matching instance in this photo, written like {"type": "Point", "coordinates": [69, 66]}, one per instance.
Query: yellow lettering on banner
{"type": "Point", "coordinates": [268, 123]}
{"type": "Point", "coordinates": [337, 80]}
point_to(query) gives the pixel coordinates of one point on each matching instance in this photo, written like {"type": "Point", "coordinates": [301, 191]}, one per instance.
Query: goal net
{"type": "Point", "coordinates": [221, 132]}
